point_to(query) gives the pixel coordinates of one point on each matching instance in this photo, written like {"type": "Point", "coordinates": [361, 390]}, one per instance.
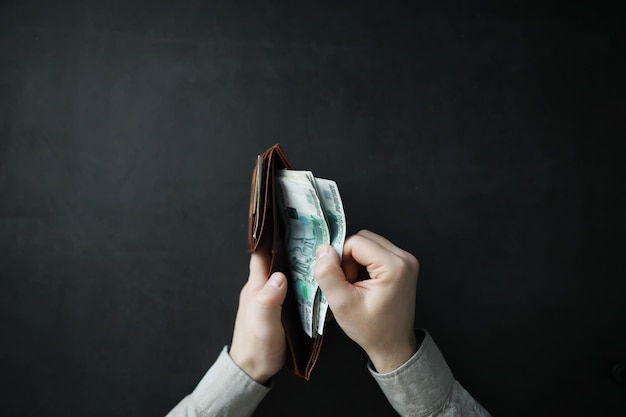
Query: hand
{"type": "Point", "coordinates": [377, 313]}
{"type": "Point", "coordinates": [258, 346]}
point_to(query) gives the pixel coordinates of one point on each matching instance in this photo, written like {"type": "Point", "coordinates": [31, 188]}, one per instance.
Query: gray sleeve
{"type": "Point", "coordinates": [224, 391]}
{"type": "Point", "coordinates": [424, 386]}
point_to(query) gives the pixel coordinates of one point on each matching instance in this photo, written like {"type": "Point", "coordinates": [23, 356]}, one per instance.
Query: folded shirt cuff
{"type": "Point", "coordinates": [421, 385]}
{"type": "Point", "coordinates": [227, 390]}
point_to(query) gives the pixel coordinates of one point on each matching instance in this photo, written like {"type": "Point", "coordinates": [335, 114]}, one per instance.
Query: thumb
{"type": "Point", "coordinates": [271, 297]}
{"type": "Point", "coordinates": [331, 278]}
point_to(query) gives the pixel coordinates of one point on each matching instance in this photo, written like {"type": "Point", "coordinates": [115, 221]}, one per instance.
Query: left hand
{"type": "Point", "coordinates": [259, 346]}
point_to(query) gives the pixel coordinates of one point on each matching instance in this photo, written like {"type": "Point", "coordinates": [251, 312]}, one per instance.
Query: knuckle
{"type": "Point", "coordinates": [412, 261]}
{"type": "Point", "coordinates": [406, 265]}
{"type": "Point", "coordinates": [263, 299]}
{"type": "Point", "coordinates": [400, 266]}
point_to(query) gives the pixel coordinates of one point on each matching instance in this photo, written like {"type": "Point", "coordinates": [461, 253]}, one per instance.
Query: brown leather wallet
{"type": "Point", "coordinates": [265, 235]}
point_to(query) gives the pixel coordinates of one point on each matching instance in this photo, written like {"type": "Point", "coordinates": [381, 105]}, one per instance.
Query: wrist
{"type": "Point", "coordinates": [390, 358]}
{"type": "Point", "coordinates": [250, 366]}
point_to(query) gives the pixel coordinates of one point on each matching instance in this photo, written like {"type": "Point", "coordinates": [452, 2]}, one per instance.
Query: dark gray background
{"type": "Point", "coordinates": [488, 141]}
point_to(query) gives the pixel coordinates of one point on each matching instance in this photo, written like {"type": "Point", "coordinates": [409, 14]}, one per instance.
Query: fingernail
{"type": "Point", "coordinates": [275, 281]}
{"type": "Point", "coordinates": [322, 251]}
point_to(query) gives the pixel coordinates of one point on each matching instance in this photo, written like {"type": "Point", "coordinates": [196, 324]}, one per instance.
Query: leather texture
{"type": "Point", "coordinates": [265, 235]}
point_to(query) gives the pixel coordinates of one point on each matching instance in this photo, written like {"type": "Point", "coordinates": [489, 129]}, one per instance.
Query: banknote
{"type": "Point", "coordinates": [335, 218]}
{"type": "Point", "coordinates": [305, 228]}
{"type": "Point", "coordinates": [312, 213]}
{"type": "Point", "coordinates": [333, 208]}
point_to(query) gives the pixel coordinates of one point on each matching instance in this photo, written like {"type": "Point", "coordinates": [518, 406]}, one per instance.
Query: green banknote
{"type": "Point", "coordinates": [333, 208]}
{"type": "Point", "coordinates": [336, 220]}
{"type": "Point", "coordinates": [305, 229]}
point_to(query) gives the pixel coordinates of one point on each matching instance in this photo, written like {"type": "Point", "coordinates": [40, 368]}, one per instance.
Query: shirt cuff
{"type": "Point", "coordinates": [421, 385]}
{"type": "Point", "coordinates": [227, 390]}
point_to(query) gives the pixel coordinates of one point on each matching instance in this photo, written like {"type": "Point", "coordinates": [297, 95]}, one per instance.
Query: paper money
{"type": "Point", "coordinates": [336, 220]}
{"type": "Point", "coordinates": [333, 208]}
{"type": "Point", "coordinates": [312, 214]}
{"type": "Point", "coordinates": [305, 229]}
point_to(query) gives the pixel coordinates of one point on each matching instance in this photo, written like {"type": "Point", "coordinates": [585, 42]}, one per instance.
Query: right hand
{"type": "Point", "coordinates": [377, 313]}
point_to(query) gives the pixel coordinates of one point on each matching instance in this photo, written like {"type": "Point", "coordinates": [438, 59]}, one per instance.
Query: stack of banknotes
{"type": "Point", "coordinates": [312, 213]}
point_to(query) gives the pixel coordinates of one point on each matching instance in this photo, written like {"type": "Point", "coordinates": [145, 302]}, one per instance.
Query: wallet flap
{"type": "Point", "coordinates": [261, 194]}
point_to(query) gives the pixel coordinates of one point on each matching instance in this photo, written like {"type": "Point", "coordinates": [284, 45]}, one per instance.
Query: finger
{"type": "Point", "coordinates": [259, 269]}
{"type": "Point", "coordinates": [382, 242]}
{"type": "Point", "coordinates": [370, 254]}
{"type": "Point", "coordinates": [271, 297]}
{"type": "Point", "coordinates": [364, 251]}
{"type": "Point", "coordinates": [331, 279]}
{"type": "Point", "coordinates": [350, 269]}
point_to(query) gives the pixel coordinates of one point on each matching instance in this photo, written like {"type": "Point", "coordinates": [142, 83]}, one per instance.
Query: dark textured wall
{"type": "Point", "coordinates": [488, 141]}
